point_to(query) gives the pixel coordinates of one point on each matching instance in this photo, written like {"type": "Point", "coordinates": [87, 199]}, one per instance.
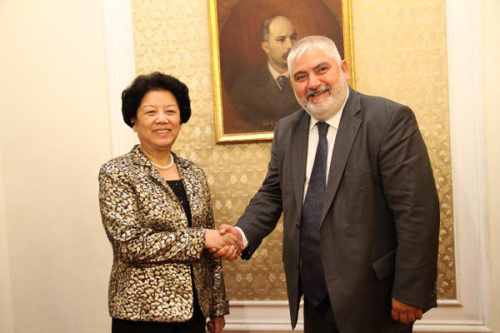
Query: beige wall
{"type": "Point", "coordinates": [390, 40]}
{"type": "Point", "coordinates": [5, 294]}
{"type": "Point", "coordinates": [491, 44]}
{"type": "Point", "coordinates": [54, 257]}
{"type": "Point", "coordinates": [54, 136]}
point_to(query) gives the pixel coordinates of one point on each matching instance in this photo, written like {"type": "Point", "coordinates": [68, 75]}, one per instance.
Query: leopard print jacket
{"type": "Point", "coordinates": [154, 250]}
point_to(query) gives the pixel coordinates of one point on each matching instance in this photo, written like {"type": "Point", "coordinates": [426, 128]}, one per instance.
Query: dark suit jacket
{"type": "Point", "coordinates": [380, 220]}
{"type": "Point", "coordinates": [259, 100]}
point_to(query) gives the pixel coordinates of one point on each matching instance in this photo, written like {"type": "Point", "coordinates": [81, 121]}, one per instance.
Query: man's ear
{"type": "Point", "coordinates": [345, 68]}
{"type": "Point", "coordinates": [265, 47]}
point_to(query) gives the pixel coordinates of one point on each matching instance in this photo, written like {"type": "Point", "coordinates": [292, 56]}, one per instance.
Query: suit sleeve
{"type": "Point", "coordinates": [132, 241]}
{"type": "Point", "coordinates": [410, 191]}
{"type": "Point", "coordinates": [264, 210]}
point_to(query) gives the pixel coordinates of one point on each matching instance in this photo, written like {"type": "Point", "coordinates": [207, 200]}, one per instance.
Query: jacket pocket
{"type": "Point", "coordinates": [385, 265]}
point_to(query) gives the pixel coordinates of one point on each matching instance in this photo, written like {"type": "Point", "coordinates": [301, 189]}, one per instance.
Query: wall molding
{"type": "Point", "coordinates": [119, 41]}
{"type": "Point", "coordinates": [471, 312]}
{"type": "Point", "coordinates": [465, 73]}
{"type": "Point", "coordinates": [273, 316]}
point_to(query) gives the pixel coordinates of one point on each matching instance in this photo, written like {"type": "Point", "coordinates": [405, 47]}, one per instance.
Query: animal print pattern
{"type": "Point", "coordinates": [154, 250]}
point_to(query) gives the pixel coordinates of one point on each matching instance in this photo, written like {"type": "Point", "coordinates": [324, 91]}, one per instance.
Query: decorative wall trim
{"type": "Point", "coordinates": [465, 73]}
{"type": "Point", "coordinates": [120, 68]}
{"type": "Point", "coordinates": [254, 316]}
{"type": "Point", "coordinates": [273, 316]}
{"type": "Point", "coordinates": [471, 312]}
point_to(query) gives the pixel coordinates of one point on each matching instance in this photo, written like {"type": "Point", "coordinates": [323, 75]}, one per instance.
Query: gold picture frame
{"type": "Point", "coordinates": [236, 51]}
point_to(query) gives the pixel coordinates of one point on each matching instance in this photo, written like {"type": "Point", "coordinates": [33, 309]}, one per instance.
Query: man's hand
{"type": "Point", "coordinates": [216, 241]}
{"type": "Point", "coordinates": [227, 252]}
{"type": "Point", "coordinates": [405, 313]}
{"type": "Point", "coordinates": [216, 324]}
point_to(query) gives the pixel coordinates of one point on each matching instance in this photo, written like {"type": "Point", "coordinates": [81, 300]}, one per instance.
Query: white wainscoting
{"type": "Point", "coordinates": [471, 312]}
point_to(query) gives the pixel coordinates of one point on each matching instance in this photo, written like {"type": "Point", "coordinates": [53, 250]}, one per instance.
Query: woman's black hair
{"type": "Point", "coordinates": [133, 95]}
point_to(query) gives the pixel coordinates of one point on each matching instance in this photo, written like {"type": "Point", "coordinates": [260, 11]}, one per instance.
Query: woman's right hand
{"type": "Point", "coordinates": [215, 241]}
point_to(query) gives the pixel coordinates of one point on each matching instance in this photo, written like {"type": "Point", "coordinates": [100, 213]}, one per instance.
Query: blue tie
{"type": "Point", "coordinates": [312, 273]}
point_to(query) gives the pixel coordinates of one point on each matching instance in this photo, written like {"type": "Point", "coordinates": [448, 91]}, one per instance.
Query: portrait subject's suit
{"type": "Point", "coordinates": [258, 99]}
{"type": "Point", "coordinates": [380, 219]}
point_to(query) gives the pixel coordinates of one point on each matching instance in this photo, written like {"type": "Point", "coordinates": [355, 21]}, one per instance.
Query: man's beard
{"type": "Point", "coordinates": [333, 102]}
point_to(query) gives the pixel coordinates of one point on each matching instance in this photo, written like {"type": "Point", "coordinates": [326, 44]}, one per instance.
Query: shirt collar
{"type": "Point", "coordinates": [275, 73]}
{"type": "Point", "coordinates": [333, 121]}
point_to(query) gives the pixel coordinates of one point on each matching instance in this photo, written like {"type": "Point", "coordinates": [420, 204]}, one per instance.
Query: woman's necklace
{"type": "Point", "coordinates": [164, 167]}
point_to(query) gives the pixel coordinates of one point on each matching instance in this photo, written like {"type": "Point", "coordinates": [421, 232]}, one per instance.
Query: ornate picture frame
{"type": "Point", "coordinates": [240, 61]}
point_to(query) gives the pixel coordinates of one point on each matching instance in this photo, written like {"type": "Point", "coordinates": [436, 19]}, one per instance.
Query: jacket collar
{"type": "Point", "coordinates": [139, 158]}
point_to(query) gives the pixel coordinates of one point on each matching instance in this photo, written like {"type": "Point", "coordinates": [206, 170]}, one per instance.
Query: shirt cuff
{"type": "Point", "coordinates": [245, 240]}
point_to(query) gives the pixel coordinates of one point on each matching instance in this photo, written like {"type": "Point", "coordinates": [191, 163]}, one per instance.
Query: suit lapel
{"type": "Point", "coordinates": [142, 160]}
{"type": "Point", "coordinates": [299, 159]}
{"type": "Point", "coordinates": [346, 134]}
{"type": "Point", "coordinates": [268, 84]}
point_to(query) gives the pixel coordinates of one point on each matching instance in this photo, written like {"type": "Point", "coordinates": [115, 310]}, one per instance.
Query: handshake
{"type": "Point", "coordinates": [225, 243]}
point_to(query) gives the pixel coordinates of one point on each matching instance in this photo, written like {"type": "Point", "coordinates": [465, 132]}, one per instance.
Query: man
{"type": "Point", "coordinates": [264, 96]}
{"type": "Point", "coordinates": [360, 241]}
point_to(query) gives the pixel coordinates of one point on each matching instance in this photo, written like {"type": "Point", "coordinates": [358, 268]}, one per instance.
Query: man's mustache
{"type": "Point", "coordinates": [317, 91]}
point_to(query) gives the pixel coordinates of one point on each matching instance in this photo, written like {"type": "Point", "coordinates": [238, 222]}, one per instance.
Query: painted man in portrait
{"type": "Point", "coordinates": [264, 95]}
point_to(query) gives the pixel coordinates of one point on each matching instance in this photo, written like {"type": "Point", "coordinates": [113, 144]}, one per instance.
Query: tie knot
{"type": "Point", "coordinates": [282, 81]}
{"type": "Point", "coordinates": [322, 128]}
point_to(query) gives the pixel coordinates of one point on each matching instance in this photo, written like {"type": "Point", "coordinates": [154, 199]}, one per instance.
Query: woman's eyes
{"type": "Point", "coordinates": [152, 112]}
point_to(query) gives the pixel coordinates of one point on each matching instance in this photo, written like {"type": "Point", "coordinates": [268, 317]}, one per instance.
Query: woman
{"type": "Point", "coordinates": [157, 213]}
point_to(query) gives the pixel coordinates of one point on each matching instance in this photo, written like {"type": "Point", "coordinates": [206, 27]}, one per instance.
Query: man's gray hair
{"type": "Point", "coordinates": [319, 42]}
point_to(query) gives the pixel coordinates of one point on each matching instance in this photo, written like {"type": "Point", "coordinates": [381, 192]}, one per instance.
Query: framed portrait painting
{"type": "Point", "coordinates": [250, 41]}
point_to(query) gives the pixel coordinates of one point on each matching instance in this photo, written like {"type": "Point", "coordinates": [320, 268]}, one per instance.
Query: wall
{"type": "Point", "coordinates": [54, 136]}
{"type": "Point", "coordinates": [491, 49]}
{"type": "Point", "coordinates": [390, 39]}
{"type": "Point", "coordinates": [5, 288]}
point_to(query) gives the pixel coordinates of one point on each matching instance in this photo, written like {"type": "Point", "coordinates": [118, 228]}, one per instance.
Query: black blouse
{"type": "Point", "coordinates": [180, 193]}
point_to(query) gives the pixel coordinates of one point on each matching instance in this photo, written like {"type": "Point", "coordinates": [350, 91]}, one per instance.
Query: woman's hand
{"type": "Point", "coordinates": [226, 253]}
{"type": "Point", "coordinates": [214, 241]}
{"type": "Point", "coordinates": [216, 324]}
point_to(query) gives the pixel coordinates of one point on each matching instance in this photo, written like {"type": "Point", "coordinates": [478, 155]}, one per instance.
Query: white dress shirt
{"type": "Point", "coordinates": [312, 146]}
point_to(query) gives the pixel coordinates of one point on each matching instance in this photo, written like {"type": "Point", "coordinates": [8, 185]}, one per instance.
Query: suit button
{"type": "Point", "coordinates": [297, 225]}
